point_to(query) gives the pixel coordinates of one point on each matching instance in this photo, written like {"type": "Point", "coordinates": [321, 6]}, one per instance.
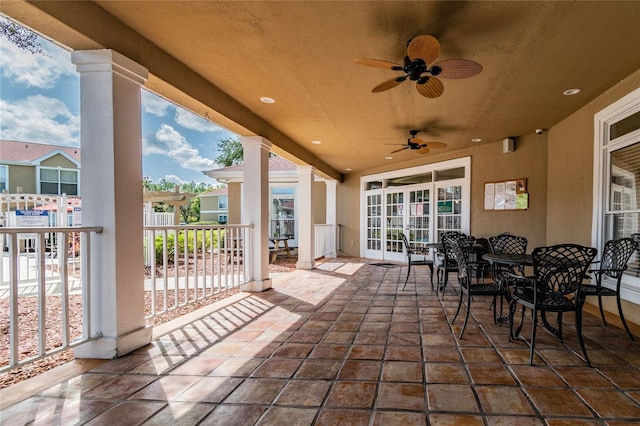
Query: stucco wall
{"type": "Point", "coordinates": [488, 164]}
{"type": "Point", "coordinates": [23, 176]}
{"type": "Point", "coordinates": [235, 203]}
{"type": "Point", "coordinates": [58, 161]}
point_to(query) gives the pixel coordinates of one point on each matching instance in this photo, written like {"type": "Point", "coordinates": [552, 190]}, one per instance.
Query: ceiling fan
{"type": "Point", "coordinates": [421, 52]}
{"type": "Point", "coordinates": [418, 145]}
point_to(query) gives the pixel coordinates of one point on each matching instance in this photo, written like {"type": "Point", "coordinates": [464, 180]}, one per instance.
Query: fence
{"type": "Point", "coordinates": [324, 238]}
{"type": "Point", "coordinates": [45, 305]}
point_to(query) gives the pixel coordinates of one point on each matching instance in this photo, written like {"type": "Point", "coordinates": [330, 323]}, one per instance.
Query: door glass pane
{"type": "Point", "coordinates": [374, 222]}
{"type": "Point", "coordinates": [419, 218]}
{"type": "Point", "coordinates": [624, 173]}
{"type": "Point", "coordinates": [283, 217]}
{"type": "Point", "coordinates": [449, 209]}
{"type": "Point", "coordinates": [395, 222]}
{"type": "Point", "coordinates": [624, 126]}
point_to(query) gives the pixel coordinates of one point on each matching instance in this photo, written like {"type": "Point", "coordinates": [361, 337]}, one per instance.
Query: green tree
{"type": "Point", "coordinates": [231, 152]}
{"type": "Point", "coordinates": [23, 38]}
{"type": "Point", "coordinates": [191, 211]}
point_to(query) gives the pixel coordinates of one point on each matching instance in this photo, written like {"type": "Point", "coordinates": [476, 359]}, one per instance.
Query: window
{"type": "Point", "coordinates": [283, 213]}
{"type": "Point", "coordinates": [222, 219]}
{"type": "Point", "coordinates": [617, 183]}
{"type": "Point", "coordinates": [223, 202]}
{"type": "Point", "coordinates": [4, 178]}
{"type": "Point", "coordinates": [58, 181]}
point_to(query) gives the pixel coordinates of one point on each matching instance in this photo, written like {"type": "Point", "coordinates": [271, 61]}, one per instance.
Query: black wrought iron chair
{"type": "Point", "coordinates": [446, 259]}
{"type": "Point", "coordinates": [423, 261]}
{"type": "Point", "coordinates": [556, 284]}
{"type": "Point", "coordinates": [466, 271]}
{"type": "Point", "coordinates": [506, 243]}
{"type": "Point", "coordinates": [611, 266]}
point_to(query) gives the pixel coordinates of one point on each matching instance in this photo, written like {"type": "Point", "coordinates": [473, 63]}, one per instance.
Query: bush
{"type": "Point", "coordinates": [203, 242]}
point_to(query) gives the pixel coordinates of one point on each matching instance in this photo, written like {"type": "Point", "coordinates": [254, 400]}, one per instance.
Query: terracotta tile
{"type": "Point", "coordinates": [574, 422]}
{"type": "Point", "coordinates": [557, 402]}
{"type": "Point", "coordinates": [480, 355]}
{"type": "Point", "coordinates": [41, 410]}
{"type": "Point", "coordinates": [438, 340]}
{"type": "Point", "coordinates": [405, 327]}
{"type": "Point", "coordinates": [611, 403]}
{"type": "Point", "coordinates": [121, 387]}
{"type": "Point", "coordinates": [454, 420]}
{"type": "Point", "coordinates": [77, 386]}
{"type": "Point", "coordinates": [403, 396]}
{"type": "Point", "coordinates": [352, 394]}
{"type": "Point", "coordinates": [529, 375]}
{"type": "Point", "coordinates": [256, 391]}
{"type": "Point", "coordinates": [404, 339]}
{"type": "Point", "coordinates": [233, 415]}
{"type": "Point", "coordinates": [351, 316]}
{"type": "Point", "coordinates": [165, 388]}
{"type": "Point", "coordinates": [294, 416]}
{"type": "Point", "coordinates": [210, 389]}
{"type": "Point", "coordinates": [333, 417]}
{"type": "Point", "coordinates": [503, 400]}
{"type": "Point", "coordinates": [181, 413]}
{"type": "Point", "coordinates": [398, 418]}
{"type": "Point", "coordinates": [224, 348]}
{"type": "Point", "coordinates": [318, 369]}
{"type": "Point", "coordinates": [557, 357]}
{"type": "Point", "coordinates": [513, 420]}
{"type": "Point", "coordinates": [304, 392]}
{"type": "Point", "coordinates": [440, 354]}
{"type": "Point", "coordinates": [400, 371]}
{"type": "Point", "coordinates": [371, 338]}
{"type": "Point", "coordinates": [345, 326]}
{"type": "Point", "coordinates": [367, 352]}
{"type": "Point", "coordinates": [403, 353]}
{"type": "Point", "coordinates": [446, 373]}
{"type": "Point", "coordinates": [451, 398]}
{"type": "Point", "coordinates": [257, 349]}
{"type": "Point", "coordinates": [360, 370]}
{"type": "Point", "coordinates": [198, 365]}
{"type": "Point", "coordinates": [329, 351]}
{"type": "Point", "coordinates": [374, 327]}
{"type": "Point", "coordinates": [306, 337]}
{"type": "Point", "coordinates": [127, 412]}
{"type": "Point", "coordinates": [583, 377]}
{"type": "Point", "coordinates": [237, 367]}
{"type": "Point", "coordinates": [490, 374]}
{"type": "Point", "coordinates": [333, 337]}
{"type": "Point", "coordinates": [293, 350]}
{"type": "Point", "coordinates": [624, 378]}
{"type": "Point", "coordinates": [124, 364]}
{"type": "Point", "coordinates": [518, 356]}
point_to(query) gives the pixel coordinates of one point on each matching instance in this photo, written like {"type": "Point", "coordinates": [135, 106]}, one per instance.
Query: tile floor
{"type": "Point", "coordinates": [344, 344]}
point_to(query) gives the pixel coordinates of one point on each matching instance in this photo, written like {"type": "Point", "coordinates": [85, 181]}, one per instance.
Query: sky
{"type": "Point", "coordinates": [40, 103]}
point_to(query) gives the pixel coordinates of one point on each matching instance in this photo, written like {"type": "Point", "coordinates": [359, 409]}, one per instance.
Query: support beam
{"type": "Point", "coordinates": [331, 216]}
{"type": "Point", "coordinates": [111, 140]}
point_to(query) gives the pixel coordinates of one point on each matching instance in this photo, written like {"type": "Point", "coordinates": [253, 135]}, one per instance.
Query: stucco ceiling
{"type": "Point", "coordinates": [301, 54]}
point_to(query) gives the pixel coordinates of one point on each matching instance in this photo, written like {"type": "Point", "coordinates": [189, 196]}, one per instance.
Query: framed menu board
{"type": "Point", "coordinates": [506, 195]}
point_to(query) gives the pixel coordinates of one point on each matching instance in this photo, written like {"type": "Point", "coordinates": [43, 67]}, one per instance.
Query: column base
{"type": "Point", "coordinates": [114, 347]}
{"type": "Point", "coordinates": [257, 285]}
{"type": "Point", "coordinates": [303, 264]}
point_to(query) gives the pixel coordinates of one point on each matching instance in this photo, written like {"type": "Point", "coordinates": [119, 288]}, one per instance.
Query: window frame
{"type": "Point", "coordinates": [59, 183]}
{"type": "Point", "coordinates": [6, 176]}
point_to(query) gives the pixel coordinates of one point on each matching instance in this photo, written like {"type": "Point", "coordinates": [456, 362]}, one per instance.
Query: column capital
{"type": "Point", "coordinates": [256, 142]}
{"type": "Point", "coordinates": [306, 168]}
{"type": "Point", "coordinates": [109, 60]}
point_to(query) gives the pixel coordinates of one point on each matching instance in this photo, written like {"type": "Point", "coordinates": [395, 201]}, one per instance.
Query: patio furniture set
{"type": "Point", "coordinates": [549, 280]}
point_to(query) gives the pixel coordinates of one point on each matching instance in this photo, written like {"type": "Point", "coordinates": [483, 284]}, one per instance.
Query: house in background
{"type": "Point", "coordinates": [214, 206]}
{"type": "Point", "coordinates": [283, 191]}
{"type": "Point", "coordinates": [33, 168]}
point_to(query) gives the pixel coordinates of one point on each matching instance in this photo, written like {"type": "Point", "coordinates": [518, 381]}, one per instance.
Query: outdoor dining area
{"type": "Point", "coordinates": [356, 343]}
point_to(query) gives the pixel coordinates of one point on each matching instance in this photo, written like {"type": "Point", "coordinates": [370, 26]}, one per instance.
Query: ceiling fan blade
{"type": "Point", "coordinates": [377, 63]}
{"type": "Point", "coordinates": [436, 145]}
{"type": "Point", "coordinates": [417, 141]}
{"type": "Point", "coordinates": [431, 89]}
{"type": "Point", "coordinates": [425, 47]}
{"type": "Point", "coordinates": [386, 85]}
{"type": "Point", "coordinates": [459, 68]}
{"type": "Point", "coordinates": [423, 150]}
{"type": "Point", "coordinates": [398, 150]}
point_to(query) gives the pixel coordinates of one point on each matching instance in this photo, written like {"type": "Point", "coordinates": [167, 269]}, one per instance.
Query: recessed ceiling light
{"type": "Point", "coordinates": [316, 142]}
{"type": "Point", "coordinates": [267, 100]}
{"type": "Point", "coordinates": [348, 169]}
{"type": "Point", "coordinates": [388, 158]}
{"type": "Point", "coordinates": [570, 92]}
{"type": "Point", "coordinates": [476, 140]}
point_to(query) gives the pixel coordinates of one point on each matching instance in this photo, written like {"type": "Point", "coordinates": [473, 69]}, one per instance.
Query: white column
{"type": "Point", "coordinates": [306, 228]}
{"type": "Point", "coordinates": [255, 209]}
{"type": "Point", "coordinates": [331, 215]}
{"type": "Point", "coordinates": [111, 192]}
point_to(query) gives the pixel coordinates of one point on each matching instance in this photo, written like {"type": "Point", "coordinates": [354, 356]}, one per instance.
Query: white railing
{"type": "Point", "coordinates": [324, 239]}
{"type": "Point", "coordinates": [44, 293]}
{"type": "Point", "coordinates": [194, 262]}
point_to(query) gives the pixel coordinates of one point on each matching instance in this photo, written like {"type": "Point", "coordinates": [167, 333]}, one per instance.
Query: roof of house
{"type": "Point", "coordinates": [276, 164]}
{"type": "Point", "coordinates": [28, 152]}
{"type": "Point", "coordinates": [220, 191]}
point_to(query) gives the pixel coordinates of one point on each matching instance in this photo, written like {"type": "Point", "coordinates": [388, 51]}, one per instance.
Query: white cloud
{"type": "Point", "coordinates": [39, 119]}
{"type": "Point", "coordinates": [167, 141]}
{"type": "Point", "coordinates": [154, 104]}
{"type": "Point", "coordinates": [175, 179]}
{"type": "Point", "coordinates": [35, 70]}
{"type": "Point", "coordinates": [191, 121]}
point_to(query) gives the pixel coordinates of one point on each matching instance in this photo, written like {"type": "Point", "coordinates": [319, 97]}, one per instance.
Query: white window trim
{"type": "Point", "coordinates": [226, 207]}
{"type": "Point", "coordinates": [59, 169]}
{"type": "Point", "coordinates": [434, 167]}
{"type": "Point", "coordinates": [624, 107]}
{"type": "Point", "coordinates": [6, 174]}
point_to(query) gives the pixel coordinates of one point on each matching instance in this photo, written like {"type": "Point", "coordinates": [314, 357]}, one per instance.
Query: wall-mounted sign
{"type": "Point", "coordinates": [445, 207]}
